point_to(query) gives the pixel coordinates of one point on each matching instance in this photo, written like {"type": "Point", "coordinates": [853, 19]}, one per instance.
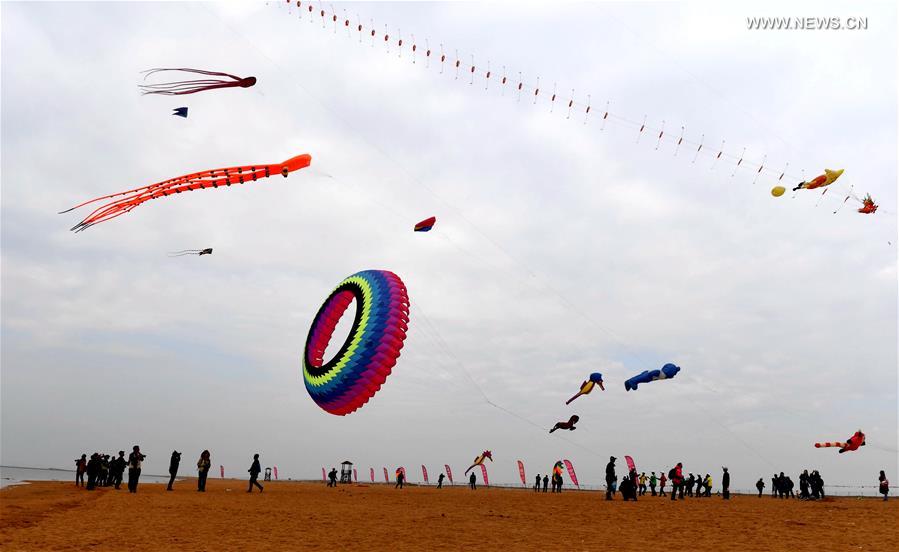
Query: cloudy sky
{"type": "Point", "coordinates": [561, 248]}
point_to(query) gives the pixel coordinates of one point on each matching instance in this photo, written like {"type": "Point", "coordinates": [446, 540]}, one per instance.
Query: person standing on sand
{"type": "Point", "coordinates": [255, 470]}
{"type": "Point", "coordinates": [662, 482]}
{"type": "Point", "coordinates": [204, 464]}
{"type": "Point", "coordinates": [774, 481]}
{"type": "Point", "coordinates": [760, 485]}
{"type": "Point", "coordinates": [643, 480]}
{"type": "Point", "coordinates": [884, 485]}
{"type": "Point", "coordinates": [80, 468]}
{"type": "Point", "coordinates": [174, 462]}
{"type": "Point", "coordinates": [537, 484]}
{"type": "Point", "coordinates": [725, 484]}
{"type": "Point", "coordinates": [135, 460]}
{"type": "Point", "coordinates": [473, 482]}
{"type": "Point", "coordinates": [118, 469]}
{"type": "Point", "coordinates": [652, 483]}
{"type": "Point", "coordinates": [610, 478]}
{"type": "Point", "coordinates": [545, 482]}
{"type": "Point", "coordinates": [332, 477]}
{"type": "Point", "coordinates": [676, 476]}
{"type": "Point", "coordinates": [400, 478]}
{"type": "Point", "coordinates": [440, 480]}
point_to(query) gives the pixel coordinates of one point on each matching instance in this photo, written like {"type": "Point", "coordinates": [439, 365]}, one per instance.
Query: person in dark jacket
{"type": "Point", "coordinates": [118, 469]}
{"type": "Point", "coordinates": [80, 469]}
{"type": "Point", "coordinates": [174, 462]}
{"type": "Point", "coordinates": [440, 479]}
{"type": "Point", "coordinates": [760, 485]}
{"type": "Point", "coordinates": [135, 461]}
{"type": "Point", "coordinates": [473, 482]}
{"type": "Point", "coordinates": [204, 464]}
{"type": "Point", "coordinates": [725, 484]}
{"type": "Point", "coordinates": [537, 484]}
{"type": "Point", "coordinates": [610, 477]}
{"type": "Point", "coordinates": [545, 482]}
{"type": "Point", "coordinates": [883, 485]}
{"type": "Point", "coordinates": [254, 470]}
{"type": "Point", "coordinates": [332, 477]}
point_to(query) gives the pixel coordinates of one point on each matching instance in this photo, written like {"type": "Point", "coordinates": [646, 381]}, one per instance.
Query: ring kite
{"type": "Point", "coordinates": [853, 443]}
{"type": "Point", "coordinates": [180, 88]}
{"type": "Point", "coordinates": [667, 372]}
{"type": "Point", "coordinates": [361, 366]}
{"type": "Point", "coordinates": [594, 380]}
{"type": "Point", "coordinates": [194, 181]}
{"type": "Point", "coordinates": [569, 425]}
{"type": "Point", "coordinates": [479, 460]}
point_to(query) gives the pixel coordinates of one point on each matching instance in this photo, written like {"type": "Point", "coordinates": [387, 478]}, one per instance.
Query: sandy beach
{"type": "Point", "coordinates": [308, 516]}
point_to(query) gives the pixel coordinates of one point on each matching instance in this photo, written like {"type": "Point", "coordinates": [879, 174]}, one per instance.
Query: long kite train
{"type": "Point", "coordinates": [194, 181]}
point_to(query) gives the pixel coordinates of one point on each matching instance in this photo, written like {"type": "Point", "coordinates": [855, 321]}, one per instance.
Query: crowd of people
{"type": "Point", "coordinates": [633, 484]}
{"type": "Point", "coordinates": [105, 470]}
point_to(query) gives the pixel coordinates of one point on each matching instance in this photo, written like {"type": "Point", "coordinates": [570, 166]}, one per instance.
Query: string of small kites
{"type": "Point", "coordinates": [578, 109]}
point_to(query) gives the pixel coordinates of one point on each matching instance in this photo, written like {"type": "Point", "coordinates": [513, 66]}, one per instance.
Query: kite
{"type": "Point", "coordinates": [426, 225]}
{"type": "Point", "coordinates": [558, 469]}
{"type": "Point", "coordinates": [826, 179]}
{"type": "Point", "coordinates": [569, 425]}
{"type": "Point", "coordinates": [207, 251]}
{"type": "Point", "coordinates": [851, 444]}
{"type": "Point", "coordinates": [594, 380]}
{"type": "Point", "coordinates": [778, 191]}
{"type": "Point", "coordinates": [194, 181]}
{"type": "Point", "coordinates": [668, 371]}
{"type": "Point", "coordinates": [868, 206]}
{"type": "Point", "coordinates": [180, 88]}
{"type": "Point", "coordinates": [180, 111]}
{"type": "Point", "coordinates": [479, 460]}
{"type": "Point", "coordinates": [361, 366]}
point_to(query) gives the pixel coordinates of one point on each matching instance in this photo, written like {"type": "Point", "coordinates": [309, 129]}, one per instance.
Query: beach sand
{"type": "Point", "coordinates": [309, 516]}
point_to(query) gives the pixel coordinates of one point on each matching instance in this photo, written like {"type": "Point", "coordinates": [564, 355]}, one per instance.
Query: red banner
{"type": "Point", "coordinates": [324, 477]}
{"type": "Point", "coordinates": [372, 470]}
{"type": "Point", "coordinates": [222, 469]}
{"type": "Point", "coordinates": [630, 463]}
{"type": "Point", "coordinates": [484, 473]}
{"type": "Point", "coordinates": [449, 473]}
{"type": "Point", "coordinates": [355, 479]}
{"type": "Point", "coordinates": [386, 477]}
{"type": "Point", "coordinates": [424, 472]}
{"type": "Point", "coordinates": [521, 473]}
{"type": "Point", "coordinates": [571, 473]}
{"type": "Point", "coordinates": [275, 469]}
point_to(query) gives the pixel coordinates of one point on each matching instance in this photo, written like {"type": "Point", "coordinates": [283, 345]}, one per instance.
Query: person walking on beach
{"type": "Point", "coordinates": [440, 479]}
{"type": "Point", "coordinates": [803, 485]}
{"type": "Point", "coordinates": [545, 482]}
{"type": "Point", "coordinates": [725, 484]}
{"type": "Point", "coordinates": [93, 467]}
{"type": "Point", "coordinates": [400, 478]}
{"type": "Point", "coordinates": [689, 484]}
{"type": "Point", "coordinates": [204, 464]}
{"type": "Point", "coordinates": [643, 480]}
{"type": "Point", "coordinates": [118, 469]}
{"type": "Point", "coordinates": [760, 485]}
{"type": "Point", "coordinates": [135, 461]}
{"type": "Point", "coordinates": [610, 478]}
{"type": "Point", "coordinates": [473, 482]}
{"type": "Point", "coordinates": [255, 470]}
{"type": "Point", "coordinates": [332, 477]}
{"type": "Point", "coordinates": [662, 482]}
{"type": "Point", "coordinates": [80, 468]}
{"type": "Point", "coordinates": [789, 486]}
{"type": "Point", "coordinates": [774, 485]}
{"type": "Point", "coordinates": [537, 484]}
{"type": "Point", "coordinates": [676, 476]}
{"type": "Point", "coordinates": [174, 462]}
{"type": "Point", "coordinates": [652, 483]}
{"type": "Point", "coordinates": [884, 485]}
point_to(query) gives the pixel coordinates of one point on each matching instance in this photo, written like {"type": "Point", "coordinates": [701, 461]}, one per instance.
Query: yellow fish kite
{"type": "Point", "coordinates": [826, 179]}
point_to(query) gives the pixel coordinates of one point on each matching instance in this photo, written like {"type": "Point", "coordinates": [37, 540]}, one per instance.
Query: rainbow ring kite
{"type": "Point", "coordinates": [362, 365]}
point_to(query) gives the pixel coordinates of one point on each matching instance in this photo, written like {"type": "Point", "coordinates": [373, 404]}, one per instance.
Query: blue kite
{"type": "Point", "coordinates": [180, 111]}
{"type": "Point", "coordinates": [667, 372]}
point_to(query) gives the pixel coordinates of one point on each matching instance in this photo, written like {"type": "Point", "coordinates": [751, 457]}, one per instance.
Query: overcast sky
{"type": "Point", "coordinates": [561, 248]}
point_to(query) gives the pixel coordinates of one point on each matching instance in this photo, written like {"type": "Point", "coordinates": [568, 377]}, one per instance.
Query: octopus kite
{"type": "Point", "coordinates": [853, 443]}
{"type": "Point", "coordinates": [569, 425]}
{"type": "Point", "coordinates": [207, 251]}
{"type": "Point", "coordinates": [826, 179]}
{"type": "Point", "coordinates": [180, 88]}
{"type": "Point", "coordinates": [479, 461]}
{"type": "Point", "coordinates": [594, 380]}
{"type": "Point", "coordinates": [868, 206]}
{"type": "Point", "coordinates": [194, 181]}
{"type": "Point", "coordinates": [667, 372]}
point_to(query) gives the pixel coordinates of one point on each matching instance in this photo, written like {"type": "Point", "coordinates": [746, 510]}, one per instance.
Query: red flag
{"type": "Point", "coordinates": [571, 473]}
{"type": "Point", "coordinates": [386, 477]}
{"type": "Point", "coordinates": [275, 469]}
{"type": "Point", "coordinates": [355, 479]}
{"type": "Point", "coordinates": [222, 469]}
{"type": "Point", "coordinates": [630, 463]}
{"type": "Point", "coordinates": [484, 473]}
{"type": "Point", "coordinates": [449, 473]}
{"type": "Point", "coordinates": [521, 473]}
{"type": "Point", "coordinates": [324, 477]}
{"type": "Point", "coordinates": [372, 474]}
{"type": "Point", "coordinates": [424, 472]}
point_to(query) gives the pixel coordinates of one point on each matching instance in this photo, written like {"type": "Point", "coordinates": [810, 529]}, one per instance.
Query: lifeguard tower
{"type": "Point", "coordinates": [346, 472]}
